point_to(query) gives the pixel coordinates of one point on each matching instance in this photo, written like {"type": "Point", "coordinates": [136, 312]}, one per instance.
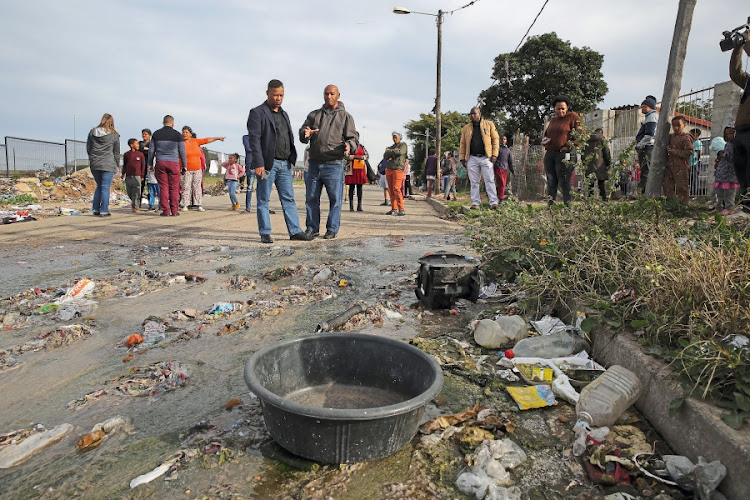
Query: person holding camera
{"type": "Point", "coordinates": [742, 122]}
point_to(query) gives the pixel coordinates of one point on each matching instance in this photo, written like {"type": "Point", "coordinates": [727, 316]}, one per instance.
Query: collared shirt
{"type": "Point", "coordinates": [476, 146]}
{"type": "Point", "coordinates": [283, 148]}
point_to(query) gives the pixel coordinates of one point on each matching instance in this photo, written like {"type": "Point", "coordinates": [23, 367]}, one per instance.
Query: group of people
{"type": "Point", "coordinates": [169, 163]}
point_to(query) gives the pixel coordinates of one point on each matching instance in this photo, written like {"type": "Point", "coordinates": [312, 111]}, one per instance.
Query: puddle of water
{"type": "Point", "coordinates": [344, 396]}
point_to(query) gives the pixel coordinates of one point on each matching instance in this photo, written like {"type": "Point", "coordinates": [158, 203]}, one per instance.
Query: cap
{"type": "Point", "coordinates": [509, 354]}
{"type": "Point", "coordinates": [650, 101]}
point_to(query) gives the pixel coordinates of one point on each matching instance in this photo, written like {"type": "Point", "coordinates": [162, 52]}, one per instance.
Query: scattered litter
{"type": "Point", "coordinates": [508, 375]}
{"type": "Point", "coordinates": [736, 340]}
{"type": "Point", "coordinates": [535, 396]}
{"type": "Point", "coordinates": [703, 477]}
{"type": "Point", "coordinates": [157, 472]}
{"type": "Point", "coordinates": [17, 446]}
{"type": "Point", "coordinates": [488, 290]}
{"type": "Point", "coordinates": [624, 295]}
{"type": "Point", "coordinates": [78, 291]}
{"type": "Point", "coordinates": [101, 432]}
{"type": "Point", "coordinates": [501, 331]}
{"type": "Point", "coordinates": [323, 275]}
{"type": "Point", "coordinates": [232, 403]}
{"type": "Point", "coordinates": [488, 476]}
{"type": "Point", "coordinates": [339, 320]}
{"type": "Point", "coordinates": [603, 401]}
{"type": "Point", "coordinates": [548, 325]}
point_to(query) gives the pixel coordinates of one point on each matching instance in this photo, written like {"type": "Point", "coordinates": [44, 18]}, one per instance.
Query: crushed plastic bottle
{"type": "Point", "coordinates": [606, 398]}
{"type": "Point", "coordinates": [557, 345]}
{"type": "Point", "coordinates": [502, 331]}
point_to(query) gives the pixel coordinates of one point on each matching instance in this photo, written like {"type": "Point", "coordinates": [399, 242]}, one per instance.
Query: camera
{"type": "Point", "coordinates": [733, 39]}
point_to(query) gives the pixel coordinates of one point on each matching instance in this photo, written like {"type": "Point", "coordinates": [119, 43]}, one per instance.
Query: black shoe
{"type": "Point", "coordinates": [266, 238]}
{"type": "Point", "coordinates": [301, 236]}
{"type": "Point", "coordinates": [329, 235]}
{"type": "Point", "coordinates": [391, 212]}
{"type": "Point", "coordinates": [176, 214]}
{"type": "Point", "coordinates": [312, 234]}
{"type": "Point", "coordinates": [96, 214]}
{"type": "Point", "coordinates": [385, 203]}
{"type": "Point", "coordinates": [401, 212]}
{"type": "Point", "coordinates": [359, 208]}
{"type": "Point", "coordinates": [351, 208]}
{"type": "Point", "coordinates": [164, 214]}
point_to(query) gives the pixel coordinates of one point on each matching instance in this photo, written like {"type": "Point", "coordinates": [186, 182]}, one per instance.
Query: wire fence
{"type": "Point", "coordinates": [21, 155]}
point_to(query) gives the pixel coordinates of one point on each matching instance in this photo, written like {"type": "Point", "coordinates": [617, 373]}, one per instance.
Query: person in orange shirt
{"type": "Point", "coordinates": [192, 175]}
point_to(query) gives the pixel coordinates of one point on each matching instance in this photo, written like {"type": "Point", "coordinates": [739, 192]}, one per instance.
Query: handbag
{"type": "Point", "coordinates": [358, 164]}
{"type": "Point", "coordinates": [348, 168]}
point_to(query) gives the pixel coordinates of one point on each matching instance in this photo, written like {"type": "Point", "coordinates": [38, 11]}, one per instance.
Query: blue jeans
{"type": "Point", "coordinates": [101, 194]}
{"type": "Point", "coordinates": [249, 193]}
{"type": "Point", "coordinates": [232, 186]}
{"type": "Point", "coordinates": [281, 175]}
{"type": "Point", "coordinates": [330, 175]}
{"type": "Point", "coordinates": [153, 192]}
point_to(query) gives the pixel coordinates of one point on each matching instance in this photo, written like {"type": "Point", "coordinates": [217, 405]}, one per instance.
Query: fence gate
{"type": "Point", "coordinates": [31, 155]}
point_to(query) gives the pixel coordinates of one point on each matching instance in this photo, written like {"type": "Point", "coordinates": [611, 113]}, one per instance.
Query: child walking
{"type": "Point", "coordinates": [133, 171]}
{"type": "Point", "coordinates": [725, 177]}
{"type": "Point", "coordinates": [680, 149]}
{"type": "Point", "coordinates": [233, 172]}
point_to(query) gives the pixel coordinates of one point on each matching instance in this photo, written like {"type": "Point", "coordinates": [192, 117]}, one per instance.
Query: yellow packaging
{"type": "Point", "coordinates": [542, 374]}
{"type": "Point", "coordinates": [533, 396]}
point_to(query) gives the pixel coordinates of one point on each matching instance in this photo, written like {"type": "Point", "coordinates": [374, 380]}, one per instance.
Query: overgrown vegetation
{"type": "Point", "coordinates": [21, 199]}
{"type": "Point", "coordinates": [689, 274]}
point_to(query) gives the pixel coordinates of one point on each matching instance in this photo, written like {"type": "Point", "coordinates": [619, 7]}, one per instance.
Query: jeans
{"type": "Point", "coordinates": [450, 185]}
{"type": "Point", "coordinates": [281, 175]}
{"type": "Point", "coordinates": [557, 173]}
{"type": "Point", "coordinates": [481, 166]}
{"type": "Point", "coordinates": [101, 194]}
{"type": "Point", "coordinates": [153, 192]}
{"type": "Point", "coordinates": [644, 159]}
{"type": "Point", "coordinates": [249, 193]}
{"type": "Point", "coordinates": [330, 175]}
{"type": "Point", "coordinates": [232, 187]}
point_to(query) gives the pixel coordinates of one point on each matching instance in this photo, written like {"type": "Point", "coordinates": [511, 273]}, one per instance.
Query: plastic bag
{"type": "Point", "coordinates": [534, 396]}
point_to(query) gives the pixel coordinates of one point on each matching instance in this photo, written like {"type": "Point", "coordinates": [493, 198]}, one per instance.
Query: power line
{"type": "Point", "coordinates": [532, 24]}
{"type": "Point", "coordinates": [463, 7]}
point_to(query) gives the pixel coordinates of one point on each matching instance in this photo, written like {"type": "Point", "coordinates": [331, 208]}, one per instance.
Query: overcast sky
{"type": "Point", "coordinates": [208, 63]}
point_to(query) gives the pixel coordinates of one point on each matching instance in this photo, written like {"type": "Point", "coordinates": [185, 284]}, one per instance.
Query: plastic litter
{"type": "Point", "coordinates": [534, 396]}
{"type": "Point", "coordinates": [499, 332]}
{"type": "Point", "coordinates": [488, 477]}
{"type": "Point", "coordinates": [488, 290]}
{"type": "Point", "coordinates": [606, 398]}
{"type": "Point", "coordinates": [17, 446]}
{"type": "Point", "coordinates": [623, 295]}
{"type": "Point", "coordinates": [78, 291]}
{"type": "Point", "coordinates": [703, 477]}
{"type": "Point", "coordinates": [323, 275]}
{"type": "Point", "coordinates": [559, 344]}
{"type": "Point", "coordinates": [221, 307]}
{"type": "Point", "coordinates": [548, 325]}
{"type": "Point", "coordinates": [737, 341]}
{"type": "Point", "coordinates": [101, 432]}
{"type": "Point", "coordinates": [340, 319]}
{"type": "Point", "coordinates": [583, 431]}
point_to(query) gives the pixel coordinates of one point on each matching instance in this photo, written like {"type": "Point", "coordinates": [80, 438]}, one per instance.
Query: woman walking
{"type": "Point", "coordinates": [357, 177]}
{"type": "Point", "coordinates": [556, 142]}
{"type": "Point", "coordinates": [192, 175]}
{"type": "Point", "coordinates": [103, 148]}
{"type": "Point", "coordinates": [395, 157]}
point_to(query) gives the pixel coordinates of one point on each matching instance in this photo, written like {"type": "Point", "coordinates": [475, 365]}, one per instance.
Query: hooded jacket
{"type": "Point", "coordinates": [741, 79]}
{"type": "Point", "coordinates": [336, 129]}
{"type": "Point", "coordinates": [103, 149]}
{"type": "Point", "coordinates": [600, 158]}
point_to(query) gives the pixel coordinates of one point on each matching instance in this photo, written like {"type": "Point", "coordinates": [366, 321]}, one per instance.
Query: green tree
{"type": "Point", "coordinates": [544, 66]}
{"type": "Point", "coordinates": [698, 108]}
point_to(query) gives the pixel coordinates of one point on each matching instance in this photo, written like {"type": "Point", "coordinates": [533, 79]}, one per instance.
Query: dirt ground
{"type": "Point", "coordinates": [206, 429]}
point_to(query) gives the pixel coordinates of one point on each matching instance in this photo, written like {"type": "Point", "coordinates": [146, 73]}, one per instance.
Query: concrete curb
{"type": "Point", "coordinates": [441, 208]}
{"type": "Point", "coordinates": [697, 429]}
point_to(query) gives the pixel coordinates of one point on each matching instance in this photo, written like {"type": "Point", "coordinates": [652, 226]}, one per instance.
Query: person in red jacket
{"type": "Point", "coordinates": [133, 171]}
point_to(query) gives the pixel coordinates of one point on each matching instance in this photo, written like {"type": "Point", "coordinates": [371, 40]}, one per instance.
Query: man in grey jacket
{"type": "Point", "coordinates": [332, 135]}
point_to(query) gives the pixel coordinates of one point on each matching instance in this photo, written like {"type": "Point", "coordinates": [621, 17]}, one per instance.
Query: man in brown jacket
{"type": "Point", "coordinates": [477, 152]}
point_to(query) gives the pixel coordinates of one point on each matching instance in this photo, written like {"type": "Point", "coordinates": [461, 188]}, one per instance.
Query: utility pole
{"type": "Point", "coordinates": [438, 90]}
{"type": "Point", "coordinates": [669, 96]}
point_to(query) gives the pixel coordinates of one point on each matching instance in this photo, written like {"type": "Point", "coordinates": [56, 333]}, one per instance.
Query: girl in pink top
{"type": "Point", "coordinates": [233, 172]}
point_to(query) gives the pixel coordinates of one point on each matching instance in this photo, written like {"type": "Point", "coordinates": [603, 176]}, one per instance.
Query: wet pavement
{"type": "Point", "coordinates": [203, 295]}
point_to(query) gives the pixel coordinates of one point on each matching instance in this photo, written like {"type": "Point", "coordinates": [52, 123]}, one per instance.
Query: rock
{"type": "Point", "coordinates": [505, 330]}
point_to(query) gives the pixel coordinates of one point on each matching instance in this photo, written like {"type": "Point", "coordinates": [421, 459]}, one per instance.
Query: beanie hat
{"type": "Point", "coordinates": [650, 101]}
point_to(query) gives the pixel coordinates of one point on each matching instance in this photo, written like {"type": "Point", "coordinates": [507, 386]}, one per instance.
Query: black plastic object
{"type": "Point", "coordinates": [446, 277]}
{"type": "Point", "coordinates": [342, 397]}
{"type": "Point", "coordinates": [340, 319]}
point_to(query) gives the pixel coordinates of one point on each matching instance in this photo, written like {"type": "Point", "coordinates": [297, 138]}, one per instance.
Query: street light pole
{"type": "Point", "coordinates": [438, 129]}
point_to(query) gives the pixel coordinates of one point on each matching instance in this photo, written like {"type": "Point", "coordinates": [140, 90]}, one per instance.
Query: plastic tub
{"type": "Point", "coordinates": [342, 397]}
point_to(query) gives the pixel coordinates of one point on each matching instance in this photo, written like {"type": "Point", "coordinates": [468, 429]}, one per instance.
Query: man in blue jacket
{"type": "Point", "coordinates": [273, 155]}
{"type": "Point", "coordinates": [645, 138]}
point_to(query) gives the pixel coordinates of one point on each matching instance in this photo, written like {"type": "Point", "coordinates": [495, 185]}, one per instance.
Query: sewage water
{"type": "Point", "coordinates": [46, 381]}
{"type": "Point", "coordinates": [343, 396]}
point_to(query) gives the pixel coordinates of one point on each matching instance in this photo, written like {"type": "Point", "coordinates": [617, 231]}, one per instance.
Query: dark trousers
{"type": "Point", "coordinates": [644, 160]}
{"type": "Point", "coordinates": [602, 189]}
{"type": "Point", "coordinates": [351, 195]}
{"type": "Point", "coordinates": [742, 163]}
{"type": "Point", "coordinates": [133, 187]}
{"type": "Point", "coordinates": [557, 174]}
{"type": "Point", "coordinates": [407, 186]}
{"type": "Point", "coordinates": [168, 176]}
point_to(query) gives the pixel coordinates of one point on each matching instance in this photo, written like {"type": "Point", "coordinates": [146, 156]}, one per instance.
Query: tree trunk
{"type": "Point", "coordinates": [669, 97]}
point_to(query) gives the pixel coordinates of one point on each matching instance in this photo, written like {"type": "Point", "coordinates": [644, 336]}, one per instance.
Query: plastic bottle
{"type": "Point", "coordinates": [557, 345]}
{"type": "Point", "coordinates": [502, 331]}
{"type": "Point", "coordinates": [606, 398]}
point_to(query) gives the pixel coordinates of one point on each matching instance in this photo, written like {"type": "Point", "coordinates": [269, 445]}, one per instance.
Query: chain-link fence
{"type": "Point", "coordinates": [3, 161]}
{"type": "Point", "coordinates": [76, 156]}
{"type": "Point", "coordinates": [22, 154]}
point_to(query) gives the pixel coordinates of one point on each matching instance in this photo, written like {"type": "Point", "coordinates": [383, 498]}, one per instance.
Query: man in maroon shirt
{"type": "Point", "coordinates": [133, 170]}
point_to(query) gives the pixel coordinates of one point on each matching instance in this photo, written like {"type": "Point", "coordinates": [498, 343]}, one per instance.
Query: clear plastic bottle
{"type": "Point", "coordinates": [557, 345]}
{"type": "Point", "coordinates": [606, 398]}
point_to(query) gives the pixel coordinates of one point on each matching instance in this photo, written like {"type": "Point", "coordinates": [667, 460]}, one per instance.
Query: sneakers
{"type": "Point", "coordinates": [329, 235]}
{"type": "Point", "coordinates": [313, 234]}
{"type": "Point", "coordinates": [401, 212]}
{"type": "Point", "coordinates": [200, 209]}
{"type": "Point", "coordinates": [164, 214]}
{"type": "Point", "coordinates": [391, 212]}
{"type": "Point", "coordinates": [266, 238]}
{"type": "Point", "coordinates": [247, 211]}
{"type": "Point", "coordinates": [385, 203]}
{"type": "Point", "coordinates": [184, 209]}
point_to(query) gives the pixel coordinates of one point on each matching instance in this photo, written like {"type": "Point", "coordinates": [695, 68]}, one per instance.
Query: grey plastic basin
{"type": "Point", "coordinates": [342, 397]}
